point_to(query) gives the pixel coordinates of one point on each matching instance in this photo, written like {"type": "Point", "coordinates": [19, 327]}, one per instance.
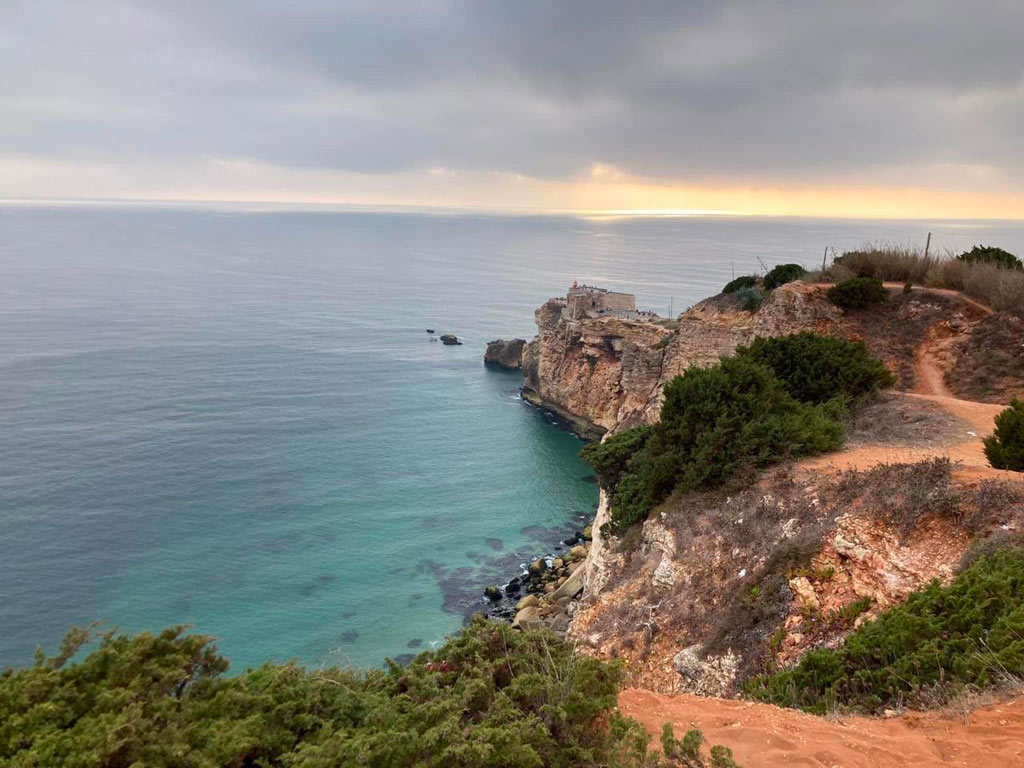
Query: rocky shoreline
{"type": "Point", "coordinates": [542, 592]}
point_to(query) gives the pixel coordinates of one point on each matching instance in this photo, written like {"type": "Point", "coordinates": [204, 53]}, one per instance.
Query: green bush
{"type": "Point", "coordinates": [714, 421]}
{"type": "Point", "coordinates": [743, 281]}
{"type": "Point", "coordinates": [750, 299]}
{"type": "Point", "coordinates": [490, 696]}
{"type": "Point", "coordinates": [815, 368]}
{"type": "Point", "coordinates": [857, 292]}
{"type": "Point", "coordinates": [782, 274]}
{"type": "Point", "coordinates": [938, 641]}
{"type": "Point", "coordinates": [989, 254]}
{"type": "Point", "coordinates": [686, 752]}
{"type": "Point", "coordinates": [609, 458]}
{"type": "Point", "coordinates": [1005, 447]}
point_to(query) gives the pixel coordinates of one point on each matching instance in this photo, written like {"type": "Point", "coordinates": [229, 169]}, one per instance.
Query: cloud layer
{"type": "Point", "coordinates": [926, 94]}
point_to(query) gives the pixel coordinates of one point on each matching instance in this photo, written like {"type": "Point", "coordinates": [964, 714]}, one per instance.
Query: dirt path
{"type": "Point", "coordinates": [762, 736]}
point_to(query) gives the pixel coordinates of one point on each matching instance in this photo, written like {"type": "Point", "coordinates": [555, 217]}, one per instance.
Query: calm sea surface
{"type": "Point", "coordinates": [235, 419]}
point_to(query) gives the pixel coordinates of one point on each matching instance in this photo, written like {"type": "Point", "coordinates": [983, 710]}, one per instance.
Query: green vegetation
{"type": "Point", "coordinates": [1005, 447]}
{"type": "Point", "coordinates": [750, 299]}
{"type": "Point", "coordinates": [686, 752]}
{"type": "Point", "coordinates": [815, 368]}
{"type": "Point", "coordinates": [939, 641]}
{"type": "Point", "coordinates": [782, 274]}
{"type": "Point", "coordinates": [610, 459]}
{"type": "Point", "coordinates": [857, 292]}
{"type": "Point", "coordinates": [989, 254]}
{"type": "Point", "coordinates": [989, 283]}
{"type": "Point", "coordinates": [713, 422]}
{"type": "Point", "coordinates": [490, 696]}
{"type": "Point", "coordinates": [743, 281]}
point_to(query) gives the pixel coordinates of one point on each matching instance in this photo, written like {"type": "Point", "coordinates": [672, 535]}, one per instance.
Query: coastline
{"type": "Point", "coordinates": [545, 587]}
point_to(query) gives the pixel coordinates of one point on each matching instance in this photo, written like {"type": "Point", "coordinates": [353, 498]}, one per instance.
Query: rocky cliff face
{"type": "Point", "coordinates": [607, 374]}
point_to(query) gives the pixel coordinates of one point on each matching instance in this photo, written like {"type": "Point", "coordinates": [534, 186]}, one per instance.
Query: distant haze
{"type": "Point", "coordinates": [833, 108]}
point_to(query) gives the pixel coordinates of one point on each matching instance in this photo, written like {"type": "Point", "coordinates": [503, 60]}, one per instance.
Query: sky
{"type": "Point", "coordinates": [833, 108]}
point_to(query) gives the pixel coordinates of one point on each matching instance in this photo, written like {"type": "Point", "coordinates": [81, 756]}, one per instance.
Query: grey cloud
{"type": "Point", "coordinates": [784, 90]}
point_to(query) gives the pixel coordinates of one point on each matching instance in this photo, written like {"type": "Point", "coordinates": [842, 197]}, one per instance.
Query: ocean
{"type": "Point", "coordinates": [233, 418]}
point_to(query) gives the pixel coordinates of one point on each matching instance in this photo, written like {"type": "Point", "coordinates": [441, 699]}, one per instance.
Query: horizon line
{"type": "Point", "coordinates": [355, 207]}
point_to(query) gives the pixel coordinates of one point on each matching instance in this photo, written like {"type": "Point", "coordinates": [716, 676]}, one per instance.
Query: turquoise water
{"type": "Point", "coordinates": [236, 420]}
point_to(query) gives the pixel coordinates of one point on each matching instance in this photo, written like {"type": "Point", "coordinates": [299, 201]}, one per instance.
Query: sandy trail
{"type": "Point", "coordinates": [931, 386]}
{"type": "Point", "coordinates": [763, 736]}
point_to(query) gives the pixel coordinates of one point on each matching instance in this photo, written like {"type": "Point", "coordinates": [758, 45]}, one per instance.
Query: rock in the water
{"type": "Point", "coordinates": [450, 339]}
{"type": "Point", "coordinates": [493, 594]}
{"type": "Point", "coordinates": [505, 353]}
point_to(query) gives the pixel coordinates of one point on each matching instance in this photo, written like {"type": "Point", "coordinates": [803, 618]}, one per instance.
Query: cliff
{"type": "Point", "coordinates": [674, 597]}
{"type": "Point", "coordinates": [606, 374]}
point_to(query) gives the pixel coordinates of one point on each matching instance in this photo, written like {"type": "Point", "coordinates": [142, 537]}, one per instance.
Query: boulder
{"type": "Point", "coordinates": [530, 601]}
{"type": "Point", "coordinates": [505, 353]}
{"type": "Point", "coordinates": [450, 339]}
{"type": "Point", "coordinates": [528, 618]}
{"type": "Point", "coordinates": [571, 587]}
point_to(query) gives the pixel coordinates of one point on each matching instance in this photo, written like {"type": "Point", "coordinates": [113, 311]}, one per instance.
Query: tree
{"type": "Point", "coordinates": [990, 254]}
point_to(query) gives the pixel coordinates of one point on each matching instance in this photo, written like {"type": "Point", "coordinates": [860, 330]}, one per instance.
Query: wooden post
{"type": "Point", "coordinates": [823, 257]}
{"type": "Point", "coordinates": [927, 245]}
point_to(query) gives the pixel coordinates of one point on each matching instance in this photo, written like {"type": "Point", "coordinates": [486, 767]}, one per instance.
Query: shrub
{"type": "Point", "coordinates": [750, 299]}
{"type": "Point", "coordinates": [886, 261]}
{"type": "Point", "coordinates": [940, 639]}
{"type": "Point", "coordinates": [609, 458]}
{"type": "Point", "coordinates": [686, 752]}
{"type": "Point", "coordinates": [989, 254]}
{"type": "Point", "coordinates": [490, 696]}
{"type": "Point", "coordinates": [815, 368]}
{"type": "Point", "coordinates": [908, 286]}
{"type": "Point", "coordinates": [857, 292]}
{"type": "Point", "coordinates": [714, 421]}
{"type": "Point", "coordinates": [743, 281]}
{"type": "Point", "coordinates": [1005, 447]}
{"type": "Point", "coordinates": [782, 274]}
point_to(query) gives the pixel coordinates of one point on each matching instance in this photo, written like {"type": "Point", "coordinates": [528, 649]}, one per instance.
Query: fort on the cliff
{"type": "Point", "coordinates": [588, 301]}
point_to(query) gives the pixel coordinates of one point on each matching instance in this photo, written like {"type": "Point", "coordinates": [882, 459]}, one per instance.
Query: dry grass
{"type": "Point", "coordinates": [988, 365]}
{"type": "Point", "coordinates": [1000, 289]}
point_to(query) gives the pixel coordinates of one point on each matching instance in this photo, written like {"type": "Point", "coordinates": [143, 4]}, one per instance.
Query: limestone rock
{"type": "Point", "coordinates": [505, 353]}
{"type": "Point", "coordinates": [804, 591]}
{"type": "Point", "coordinates": [450, 339]}
{"type": "Point", "coordinates": [528, 618]}
{"type": "Point", "coordinates": [530, 601]}
{"type": "Point", "coordinates": [712, 676]}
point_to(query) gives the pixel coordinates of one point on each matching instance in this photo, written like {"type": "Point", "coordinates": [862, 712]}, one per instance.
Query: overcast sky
{"type": "Point", "coordinates": [893, 107]}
